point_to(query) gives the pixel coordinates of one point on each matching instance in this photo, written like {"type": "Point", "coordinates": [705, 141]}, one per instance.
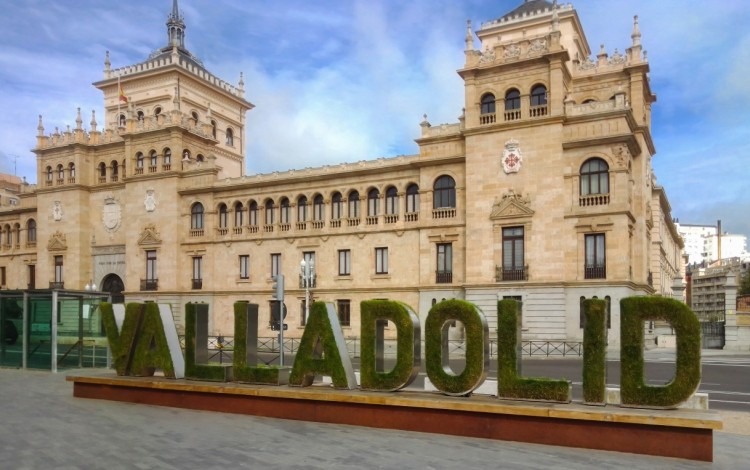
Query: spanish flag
{"type": "Point", "coordinates": [123, 98]}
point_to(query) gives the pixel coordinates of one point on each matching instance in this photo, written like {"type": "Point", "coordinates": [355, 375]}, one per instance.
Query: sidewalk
{"type": "Point", "coordinates": [44, 426]}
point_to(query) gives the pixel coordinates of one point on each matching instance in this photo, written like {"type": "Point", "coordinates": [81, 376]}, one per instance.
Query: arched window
{"type": "Point", "coordinates": [157, 111]}
{"type": "Point", "coordinates": [223, 216]}
{"type": "Point", "coordinates": [31, 231]}
{"type": "Point", "coordinates": [8, 235]}
{"type": "Point", "coordinates": [444, 193]}
{"type": "Point", "coordinates": [167, 156]}
{"type": "Point", "coordinates": [72, 170]}
{"type": "Point", "coordinates": [195, 117]}
{"type": "Point", "coordinates": [373, 199]}
{"type": "Point", "coordinates": [253, 213]}
{"type": "Point", "coordinates": [199, 158]}
{"type": "Point", "coordinates": [154, 159]}
{"type": "Point", "coordinates": [487, 104]}
{"type": "Point", "coordinates": [140, 116]}
{"type": "Point", "coordinates": [512, 100]}
{"type": "Point", "coordinates": [412, 198]}
{"type": "Point", "coordinates": [318, 208]}
{"type": "Point", "coordinates": [594, 177]}
{"type": "Point", "coordinates": [230, 137]}
{"type": "Point", "coordinates": [122, 120]}
{"type": "Point", "coordinates": [354, 205]}
{"type": "Point", "coordinates": [337, 206]}
{"type": "Point", "coordinates": [269, 212]}
{"type": "Point", "coordinates": [302, 209]}
{"type": "Point", "coordinates": [285, 211]}
{"type": "Point", "coordinates": [139, 160]}
{"type": "Point", "coordinates": [391, 201]}
{"type": "Point", "coordinates": [114, 168]}
{"type": "Point", "coordinates": [102, 170]}
{"type": "Point", "coordinates": [49, 174]}
{"type": "Point", "coordinates": [185, 155]}
{"type": "Point", "coordinates": [539, 95]}
{"type": "Point", "coordinates": [60, 172]}
{"type": "Point", "coordinates": [196, 216]}
{"type": "Point", "coordinates": [239, 214]}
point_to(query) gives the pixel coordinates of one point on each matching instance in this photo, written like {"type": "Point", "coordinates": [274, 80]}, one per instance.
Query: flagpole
{"type": "Point", "coordinates": [119, 90]}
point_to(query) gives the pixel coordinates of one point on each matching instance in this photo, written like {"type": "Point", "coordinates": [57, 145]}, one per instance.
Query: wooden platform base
{"type": "Point", "coordinates": [675, 433]}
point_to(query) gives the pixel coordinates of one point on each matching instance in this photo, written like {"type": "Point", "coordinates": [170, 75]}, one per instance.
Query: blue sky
{"type": "Point", "coordinates": [341, 81]}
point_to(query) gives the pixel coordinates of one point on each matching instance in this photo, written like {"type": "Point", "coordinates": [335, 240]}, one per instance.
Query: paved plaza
{"type": "Point", "coordinates": [44, 427]}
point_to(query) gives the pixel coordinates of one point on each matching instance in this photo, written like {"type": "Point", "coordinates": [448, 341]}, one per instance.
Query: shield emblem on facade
{"type": "Point", "coordinates": [111, 214]}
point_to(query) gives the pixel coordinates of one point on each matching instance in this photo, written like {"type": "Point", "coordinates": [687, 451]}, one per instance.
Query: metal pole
{"type": "Point", "coordinates": [306, 276]}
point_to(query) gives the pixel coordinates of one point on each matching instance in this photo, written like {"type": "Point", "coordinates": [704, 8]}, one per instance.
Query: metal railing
{"type": "Point", "coordinates": [221, 345]}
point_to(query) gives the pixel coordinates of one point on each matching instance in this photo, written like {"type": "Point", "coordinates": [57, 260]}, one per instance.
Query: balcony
{"type": "Point", "coordinates": [391, 218]}
{"type": "Point", "coordinates": [511, 273]}
{"type": "Point", "coordinates": [411, 216]}
{"type": "Point", "coordinates": [149, 284]}
{"type": "Point", "coordinates": [196, 285]}
{"type": "Point", "coordinates": [538, 111]}
{"type": "Point", "coordinates": [318, 224]}
{"type": "Point", "coordinates": [512, 114]}
{"type": "Point", "coordinates": [152, 169]}
{"type": "Point", "coordinates": [237, 230]}
{"type": "Point", "coordinates": [56, 285]}
{"type": "Point", "coordinates": [595, 272]}
{"type": "Point", "coordinates": [443, 277]}
{"type": "Point", "coordinates": [485, 119]}
{"type": "Point", "coordinates": [444, 213]}
{"type": "Point", "coordinates": [593, 200]}
{"type": "Point", "coordinates": [222, 230]}
{"type": "Point", "coordinates": [196, 232]}
{"type": "Point", "coordinates": [372, 220]}
{"type": "Point", "coordinates": [336, 223]}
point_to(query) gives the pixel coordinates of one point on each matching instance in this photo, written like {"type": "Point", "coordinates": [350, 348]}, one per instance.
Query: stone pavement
{"type": "Point", "coordinates": [43, 426]}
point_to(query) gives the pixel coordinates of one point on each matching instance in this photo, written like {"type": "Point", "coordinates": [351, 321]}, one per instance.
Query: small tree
{"type": "Point", "coordinates": [744, 288]}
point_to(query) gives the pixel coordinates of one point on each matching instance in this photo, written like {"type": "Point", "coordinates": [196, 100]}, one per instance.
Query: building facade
{"type": "Point", "coordinates": [542, 191]}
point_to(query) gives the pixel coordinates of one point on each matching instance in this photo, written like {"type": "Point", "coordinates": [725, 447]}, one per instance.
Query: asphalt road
{"type": "Point", "coordinates": [726, 379]}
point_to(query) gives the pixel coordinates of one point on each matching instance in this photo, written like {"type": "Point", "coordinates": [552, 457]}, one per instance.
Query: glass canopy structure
{"type": "Point", "coordinates": [52, 329]}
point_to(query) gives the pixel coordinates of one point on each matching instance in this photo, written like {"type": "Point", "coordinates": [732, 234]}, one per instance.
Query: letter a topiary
{"type": "Point", "coordinates": [322, 350]}
{"type": "Point", "coordinates": [595, 352]}
{"type": "Point", "coordinates": [634, 312]}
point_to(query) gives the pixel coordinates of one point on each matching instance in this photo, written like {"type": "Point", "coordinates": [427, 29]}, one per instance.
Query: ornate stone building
{"type": "Point", "coordinates": [542, 191]}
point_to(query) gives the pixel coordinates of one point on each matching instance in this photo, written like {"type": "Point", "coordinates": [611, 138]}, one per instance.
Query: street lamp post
{"type": "Point", "coordinates": [307, 271]}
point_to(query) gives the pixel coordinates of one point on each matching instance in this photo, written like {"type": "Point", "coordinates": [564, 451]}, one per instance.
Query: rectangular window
{"type": "Point", "coordinates": [595, 267]}
{"type": "Point", "coordinates": [58, 268]}
{"type": "Point", "coordinates": [244, 266]}
{"type": "Point", "coordinates": [381, 260]}
{"type": "Point", "coordinates": [32, 276]}
{"type": "Point", "coordinates": [151, 265]}
{"type": "Point", "coordinates": [344, 310]}
{"type": "Point", "coordinates": [513, 254]}
{"type": "Point", "coordinates": [2, 275]}
{"type": "Point", "coordinates": [444, 273]}
{"type": "Point", "coordinates": [345, 262]}
{"type": "Point", "coordinates": [197, 272]}
{"type": "Point", "coordinates": [275, 264]}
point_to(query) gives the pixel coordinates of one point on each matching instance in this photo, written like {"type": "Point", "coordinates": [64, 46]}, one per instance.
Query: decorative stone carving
{"type": "Point", "coordinates": [150, 201]}
{"type": "Point", "coordinates": [511, 205]}
{"type": "Point", "coordinates": [57, 211]}
{"type": "Point", "coordinates": [111, 214]}
{"type": "Point", "coordinates": [512, 51]}
{"type": "Point", "coordinates": [57, 242]}
{"type": "Point", "coordinates": [617, 58]}
{"type": "Point", "coordinates": [487, 57]}
{"type": "Point", "coordinates": [538, 46]}
{"type": "Point", "coordinates": [621, 154]}
{"type": "Point", "coordinates": [587, 64]}
{"type": "Point", "coordinates": [512, 157]}
{"type": "Point", "coordinates": [149, 236]}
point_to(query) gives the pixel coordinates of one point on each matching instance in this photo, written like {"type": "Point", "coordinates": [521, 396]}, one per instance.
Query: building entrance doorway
{"type": "Point", "coordinates": [114, 285]}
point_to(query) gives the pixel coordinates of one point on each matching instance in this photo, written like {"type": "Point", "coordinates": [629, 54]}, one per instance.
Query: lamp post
{"type": "Point", "coordinates": [307, 271]}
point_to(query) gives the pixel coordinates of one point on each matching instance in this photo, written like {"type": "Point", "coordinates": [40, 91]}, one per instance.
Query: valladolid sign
{"type": "Point", "coordinates": [143, 339]}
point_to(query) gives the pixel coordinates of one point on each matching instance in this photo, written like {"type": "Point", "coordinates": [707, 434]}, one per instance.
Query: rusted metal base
{"type": "Point", "coordinates": [674, 433]}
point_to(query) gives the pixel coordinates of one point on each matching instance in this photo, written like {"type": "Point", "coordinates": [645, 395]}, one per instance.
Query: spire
{"type": "Point", "coordinates": [636, 36]}
{"type": "Point", "coordinates": [40, 127]}
{"type": "Point", "coordinates": [93, 121]}
{"type": "Point", "coordinates": [176, 27]}
{"type": "Point", "coordinates": [469, 37]}
{"type": "Point", "coordinates": [79, 120]}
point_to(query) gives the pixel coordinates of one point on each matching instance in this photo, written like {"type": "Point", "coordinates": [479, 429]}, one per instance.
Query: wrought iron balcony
{"type": "Point", "coordinates": [595, 272]}
{"type": "Point", "coordinates": [443, 277]}
{"type": "Point", "coordinates": [56, 285]}
{"type": "Point", "coordinates": [149, 284]}
{"type": "Point", "coordinates": [197, 284]}
{"type": "Point", "coordinates": [511, 273]}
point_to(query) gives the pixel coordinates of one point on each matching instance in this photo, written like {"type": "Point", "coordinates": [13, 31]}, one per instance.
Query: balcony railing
{"type": "Point", "coordinates": [197, 284]}
{"type": "Point", "coordinates": [511, 274]}
{"type": "Point", "coordinates": [444, 213]}
{"type": "Point", "coordinates": [595, 272]}
{"type": "Point", "coordinates": [335, 223]}
{"type": "Point", "coordinates": [372, 220]}
{"type": "Point", "coordinates": [538, 111]}
{"type": "Point", "coordinates": [353, 222]}
{"type": "Point", "coordinates": [166, 167]}
{"type": "Point", "coordinates": [149, 284]}
{"type": "Point", "coordinates": [411, 216]}
{"type": "Point", "coordinates": [443, 277]}
{"type": "Point", "coordinates": [318, 224]}
{"type": "Point", "coordinates": [593, 200]}
{"type": "Point", "coordinates": [56, 285]}
{"type": "Point", "coordinates": [237, 230]}
{"type": "Point", "coordinates": [512, 114]}
{"type": "Point", "coordinates": [253, 228]}
{"type": "Point", "coordinates": [391, 218]}
{"type": "Point", "coordinates": [152, 169]}
{"type": "Point", "coordinates": [196, 232]}
{"type": "Point", "coordinates": [485, 119]}
{"type": "Point", "coordinates": [222, 230]}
